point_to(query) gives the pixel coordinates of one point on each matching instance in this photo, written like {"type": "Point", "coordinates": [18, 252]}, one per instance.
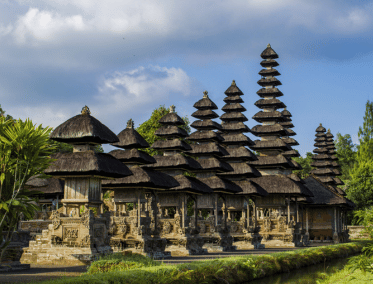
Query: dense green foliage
{"type": "Point", "coordinates": [346, 153]}
{"type": "Point", "coordinates": [148, 128]}
{"type": "Point", "coordinates": [220, 270]}
{"type": "Point", "coordinates": [306, 165]}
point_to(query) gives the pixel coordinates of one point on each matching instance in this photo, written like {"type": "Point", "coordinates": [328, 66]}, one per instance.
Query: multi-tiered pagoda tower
{"type": "Point", "coordinates": [242, 227]}
{"type": "Point", "coordinates": [279, 217]}
{"type": "Point", "coordinates": [331, 151]}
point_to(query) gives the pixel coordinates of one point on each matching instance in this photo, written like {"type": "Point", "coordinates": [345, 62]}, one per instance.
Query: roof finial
{"type": "Point", "coordinates": [233, 83]}
{"type": "Point", "coordinates": [130, 123]}
{"type": "Point", "coordinates": [85, 110]}
{"type": "Point", "coordinates": [284, 108]}
{"type": "Point", "coordinates": [320, 124]}
{"type": "Point", "coordinates": [172, 109]}
{"type": "Point", "coordinates": [205, 96]}
{"type": "Point", "coordinates": [268, 45]}
{"type": "Point", "coordinates": [328, 130]}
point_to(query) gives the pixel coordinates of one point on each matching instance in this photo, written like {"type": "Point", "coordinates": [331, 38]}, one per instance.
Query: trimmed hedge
{"type": "Point", "coordinates": [223, 270]}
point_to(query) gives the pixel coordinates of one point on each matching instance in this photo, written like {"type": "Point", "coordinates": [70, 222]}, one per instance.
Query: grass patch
{"type": "Point", "coordinates": [137, 269]}
{"type": "Point", "coordinates": [345, 276]}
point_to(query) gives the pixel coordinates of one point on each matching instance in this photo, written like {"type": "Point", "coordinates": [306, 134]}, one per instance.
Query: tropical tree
{"type": "Point", "coordinates": [24, 152]}
{"type": "Point", "coordinates": [148, 128]}
{"type": "Point", "coordinates": [346, 153]}
{"type": "Point", "coordinates": [306, 165]}
{"type": "Point", "coordinates": [2, 113]}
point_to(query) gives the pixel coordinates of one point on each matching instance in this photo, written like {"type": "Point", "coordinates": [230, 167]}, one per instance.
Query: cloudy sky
{"type": "Point", "coordinates": [124, 58]}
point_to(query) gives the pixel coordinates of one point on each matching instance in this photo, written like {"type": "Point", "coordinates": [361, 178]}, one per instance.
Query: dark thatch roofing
{"type": "Point", "coordinates": [281, 184]}
{"type": "Point", "coordinates": [269, 63]}
{"type": "Point", "coordinates": [205, 103]}
{"type": "Point", "coordinates": [269, 53]}
{"type": "Point", "coordinates": [320, 139]}
{"type": "Point", "coordinates": [239, 153]}
{"type": "Point", "coordinates": [250, 188]}
{"type": "Point", "coordinates": [337, 172]}
{"type": "Point", "coordinates": [175, 162]}
{"type": "Point", "coordinates": [322, 195]}
{"type": "Point", "coordinates": [142, 177]}
{"type": "Point", "coordinates": [321, 157]}
{"type": "Point", "coordinates": [273, 103]}
{"type": "Point", "coordinates": [269, 72]}
{"type": "Point", "coordinates": [338, 181]}
{"type": "Point", "coordinates": [272, 161]}
{"type": "Point", "coordinates": [207, 124]}
{"type": "Point", "coordinates": [213, 164]}
{"type": "Point", "coordinates": [290, 132]}
{"type": "Point", "coordinates": [233, 107]}
{"type": "Point", "coordinates": [174, 144]}
{"type": "Point", "coordinates": [322, 171]}
{"type": "Point", "coordinates": [209, 135]}
{"type": "Point", "coordinates": [87, 163]}
{"type": "Point", "coordinates": [171, 119]}
{"type": "Point", "coordinates": [290, 153]}
{"type": "Point", "coordinates": [321, 150]}
{"type": "Point", "coordinates": [269, 82]}
{"type": "Point", "coordinates": [329, 135]}
{"type": "Point", "coordinates": [233, 90]}
{"type": "Point", "coordinates": [320, 144]}
{"type": "Point", "coordinates": [241, 170]}
{"type": "Point", "coordinates": [320, 134]}
{"type": "Point", "coordinates": [286, 113]}
{"type": "Point", "coordinates": [326, 179]}
{"type": "Point", "coordinates": [331, 151]}
{"type": "Point", "coordinates": [321, 164]}
{"type": "Point", "coordinates": [296, 165]}
{"type": "Point", "coordinates": [270, 144]}
{"type": "Point", "coordinates": [295, 178]}
{"type": "Point", "coordinates": [133, 156]}
{"type": "Point", "coordinates": [269, 92]}
{"type": "Point", "coordinates": [218, 184]}
{"type": "Point", "coordinates": [205, 114]}
{"type": "Point", "coordinates": [237, 139]}
{"type": "Point", "coordinates": [83, 128]}
{"type": "Point", "coordinates": [233, 116]}
{"type": "Point", "coordinates": [290, 141]}
{"type": "Point", "coordinates": [260, 130]}
{"type": "Point", "coordinates": [268, 116]}
{"type": "Point", "coordinates": [233, 99]}
{"type": "Point", "coordinates": [171, 131]}
{"type": "Point", "coordinates": [47, 186]}
{"type": "Point", "coordinates": [235, 126]}
{"type": "Point", "coordinates": [206, 149]}
{"type": "Point", "coordinates": [287, 124]}
{"type": "Point", "coordinates": [320, 128]}
{"type": "Point", "coordinates": [129, 138]}
{"type": "Point", "coordinates": [191, 184]}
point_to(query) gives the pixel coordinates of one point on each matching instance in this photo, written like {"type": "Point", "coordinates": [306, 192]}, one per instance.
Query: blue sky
{"type": "Point", "coordinates": [123, 58]}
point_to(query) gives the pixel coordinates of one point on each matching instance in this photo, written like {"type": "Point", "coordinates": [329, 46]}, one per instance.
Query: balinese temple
{"type": "Point", "coordinates": [80, 232]}
{"type": "Point", "coordinates": [288, 125]}
{"type": "Point", "coordinates": [174, 223]}
{"type": "Point", "coordinates": [135, 230]}
{"type": "Point", "coordinates": [278, 212]}
{"type": "Point", "coordinates": [241, 206]}
{"type": "Point", "coordinates": [206, 148]}
{"type": "Point", "coordinates": [331, 151]}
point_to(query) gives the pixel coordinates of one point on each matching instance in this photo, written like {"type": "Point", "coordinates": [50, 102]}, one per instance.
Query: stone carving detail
{"type": "Point", "coordinates": [266, 224]}
{"type": "Point", "coordinates": [166, 228]}
{"type": "Point", "coordinates": [71, 233]}
{"type": "Point", "coordinates": [282, 224]}
{"type": "Point", "coordinates": [86, 241]}
{"type": "Point", "coordinates": [56, 221]}
{"type": "Point", "coordinates": [202, 228]}
{"type": "Point", "coordinates": [87, 218]}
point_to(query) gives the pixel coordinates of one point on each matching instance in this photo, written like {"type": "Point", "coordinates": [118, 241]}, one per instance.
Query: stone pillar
{"type": "Point", "coordinates": [216, 209]}
{"type": "Point", "coordinates": [195, 213]}
{"type": "Point", "coordinates": [248, 213]}
{"type": "Point", "coordinates": [138, 209]}
{"type": "Point", "coordinates": [306, 220]}
{"type": "Point", "coordinates": [296, 210]}
{"type": "Point", "coordinates": [255, 214]}
{"type": "Point", "coordinates": [289, 210]}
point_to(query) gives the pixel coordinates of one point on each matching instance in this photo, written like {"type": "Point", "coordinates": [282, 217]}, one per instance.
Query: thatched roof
{"type": "Point", "coordinates": [241, 170]}
{"type": "Point", "coordinates": [235, 126]}
{"type": "Point", "coordinates": [296, 165]}
{"type": "Point", "coordinates": [233, 116]}
{"type": "Point", "coordinates": [233, 107]}
{"type": "Point", "coordinates": [207, 124]}
{"type": "Point", "coordinates": [83, 128]}
{"type": "Point", "coordinates": [239, 153]}
{"type": "Point", "coordinates": [329, 135]}
{"type": "Point", "coordinates": [269, 82]}
{"type": "Point", "coordinates": [272, 161]}
{"type": "Point", "coordinates": [250, 188]}
{"type": "Point", "coordinates": [338, 181]}
{"type": "Point", "coordinates": [320, 144]}
{"type": "Point", "coordinates": [286, 113]}
{"type": "Point", "coordinates": [205, 103]}
{"type": "Point", "coordinates": [269, 72]}
{"type": "Point", "coordinates": [269, 63]}
{"type": "Point", "coordinates": [268, 116]}
{"type": "Point", "coordinates": [233, 99]}
{"type": "Point", "coordinates": [218, 184]}
{"type": "Point", "coordinates": [322, 171]}
{"type": "Point", "coordinates": [200, 136]}
{"type": "Point", "coordinates": [175, 162]}
{"type": "Point", "coordinates": [236, 139]}
{"type": "Point", "coordinates": [205, 114]}
{"type": "Point", "coordinates": [337, 172]}
{"type": "Point", "coordinates": [269, 53]}
{"type": "Point", "coordinates": [213, 164]}
{"type": "Point", "coordinates": [206, 149]}
{"type": "Point", "coordinates": [290, 132]}
{"type": "Point", "coordinates": [295, 178]}
{"type": "Point", "coordinates": [335, 164]}
{"type": "Point", "coordinates": [233, 90]}
{"type": "Point", "coordinates": [171, 131]}
{"type": "Point", "coordinates": [322, 195]}
{"type": "Point", "coordinates": [133, 156]}
{"type": "Point", "coordinates": [320, 128]}
{"type": "Point", "coordinates": [326, 179]}
{"type": "Point", "coordinates": [191, 184]}
{"type": "Point", "coordinates": [320, 150]}
{"type": "Point", "coordinates": [142, 177]}
{"type": "Point", "coordinates": [287, 124]}
{"type": "Point", "coordinates": [320, 139]}
{"type": "Point", "coordinates": [87, 163]}
{"type": "Point", "coordinates": [290, 141]}
{"type": "Point", "coordinates": [270, 144]}
{"type": "Point", "coordinates": [290, 153]}
{"type": "Point", "coordinates": [260, 130]}
{"type": "Point", "coordinates": [281, 184]}
{"type": "Point", "coordinates": [171, 119]}
{"type": "Point", "coordinates": [45, 185]}
{"type": "Point", "coordinates": [269, 92]}
{"type": "Point", "coordinates": [321, 157]}
{"type": "Point", "coordinates": [321, 164]}
{"type": "Point", "coordinates": [172, 145]}
{"type": "Point", "coordinates": [129, 138]}
{"type": "Point", "coordinates": [320, 134]}
{"type": "Point", "coordinates": [269, 103]}
{"type": "Point", "coordinates": [331, 151]}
